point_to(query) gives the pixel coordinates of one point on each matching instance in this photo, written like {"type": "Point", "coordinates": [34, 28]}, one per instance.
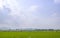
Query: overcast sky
{"type": "Point", "coordinates": [42, 14]}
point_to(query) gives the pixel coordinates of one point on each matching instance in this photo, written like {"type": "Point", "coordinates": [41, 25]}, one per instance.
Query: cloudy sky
{"type": "Point", "coordinates": [42, 14]}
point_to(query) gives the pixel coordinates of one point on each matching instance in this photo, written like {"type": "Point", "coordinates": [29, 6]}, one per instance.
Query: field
{"type": "Point", "coordinates": [26, 34]}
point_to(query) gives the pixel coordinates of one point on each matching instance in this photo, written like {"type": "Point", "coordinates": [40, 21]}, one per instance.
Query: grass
{"type": "Point", "coordinates": [25, 34]}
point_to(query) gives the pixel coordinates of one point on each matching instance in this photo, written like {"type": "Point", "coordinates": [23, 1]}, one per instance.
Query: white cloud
{"type": "Point", "coordinates": [22, 17]}
{"type": "Point", "coordinates": [25, 17]}
{"type": "Point", "coordinates": [1, 3]}
{"type": "Point", "coordinates": [13, 5]}
{"type": "Point", "coordinates": [34, 8]}
{"type": "Point", "coordinates": [54, 14]}
{"type": "Point", "coordinates": [57, 1]}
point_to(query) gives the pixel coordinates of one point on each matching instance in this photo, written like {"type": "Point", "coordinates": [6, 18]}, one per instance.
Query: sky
{"type": "Point", "coordinates": [21, 14]}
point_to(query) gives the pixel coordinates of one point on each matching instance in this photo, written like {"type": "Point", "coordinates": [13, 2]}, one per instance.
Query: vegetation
{"type": "Point", "coordinates": [30, 34]}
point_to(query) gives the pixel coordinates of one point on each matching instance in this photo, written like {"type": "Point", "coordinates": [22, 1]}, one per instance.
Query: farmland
{"type": "Point", "coordinates": [29, 34]}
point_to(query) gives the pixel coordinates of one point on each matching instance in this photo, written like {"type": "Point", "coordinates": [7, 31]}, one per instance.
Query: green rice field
{"type": "Point", "coordinates": [24, 34]}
